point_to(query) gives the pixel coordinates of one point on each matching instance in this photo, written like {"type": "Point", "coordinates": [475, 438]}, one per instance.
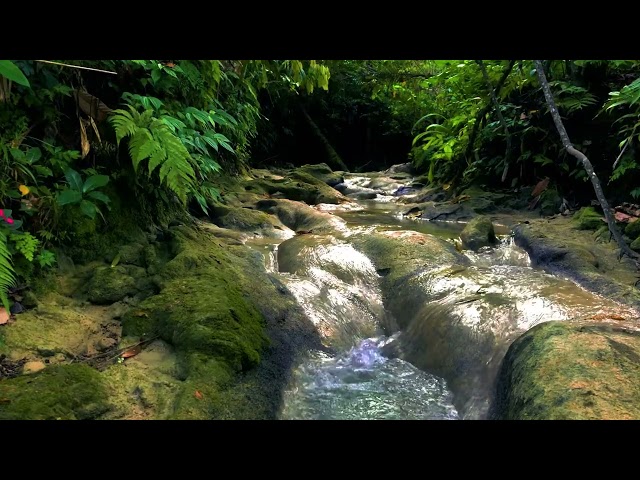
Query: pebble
{"type": "Point", "coordinates": [105, 344]}
{"type": "Point", "coordinates": [33, 367]}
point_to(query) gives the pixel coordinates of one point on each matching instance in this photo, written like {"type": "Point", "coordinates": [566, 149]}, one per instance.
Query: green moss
{"type": "Point", "coordinates": [635, 245]}
{"type": "Point", "coordinates": [550, 201]}
{"type": "Point", "coordinates": [587, 219]}
{"type": "Point", "coordinates": [63, 392]}
{"type": "Point", "coordinates": [298, 216]}
{"type": "Point", "coordinates": [243, 219]}
{"type": "Point", "coordinates": [110, 284]}
{"type": "Point", "coordinates": [478, 233]}
{"type": "Point", "coordinates": [202, 307]}
{"type": "Point", "coordinates": [132, 254]}
{"type": "Point", "coordinates": [633, 230]}
{"type": "Point", "coordinates": [300, 187]}
{"type": "Point", "coordinates": [323, 172]}
{"type": "Point", "coordinates": [562, 370]}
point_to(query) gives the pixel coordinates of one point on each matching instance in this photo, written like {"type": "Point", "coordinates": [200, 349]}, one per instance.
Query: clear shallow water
{"type": "Point", "coordinates": [361, 384]}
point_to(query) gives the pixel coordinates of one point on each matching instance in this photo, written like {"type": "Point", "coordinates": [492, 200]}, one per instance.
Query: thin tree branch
{"type": "Point", "coordinates": [624, 248]}
{"type": "Point", "coordinates": [496, 104]}
{"type": "Point", "coordinates": [77, 66]}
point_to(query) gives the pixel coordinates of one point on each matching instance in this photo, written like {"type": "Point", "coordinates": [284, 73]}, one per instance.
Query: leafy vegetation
{"type": "Point", "coordinates": [75, 142]}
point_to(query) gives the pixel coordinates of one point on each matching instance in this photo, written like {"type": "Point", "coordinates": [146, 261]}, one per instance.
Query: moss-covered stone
{"type": "Point", "coordinates": [246, 220]}
{"type": "Point", "coordinates": [323, 172]}
{"type": "Point", "coordinates": [111, 284]}
{"type": "Point", "coordinates": [567, 371]}
{"type": "Point", "coordinates": [63, 392]}
{"type": "Point", "coordinates": [132, 254]}
{"type": "Point", "coordinates": [587, 219]}
{"type": "Point", "coordinates": [201, 307]}
{"type": "Point", "coordinates": [298, 216]}
{"type": "Point", "coordinates": [479, 232]}
{"type": "Point", "coordinates": [633, 229]}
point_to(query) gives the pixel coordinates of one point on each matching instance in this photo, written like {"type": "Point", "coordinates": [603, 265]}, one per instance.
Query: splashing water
{"type": "Point", "coordinates": [361, 384]}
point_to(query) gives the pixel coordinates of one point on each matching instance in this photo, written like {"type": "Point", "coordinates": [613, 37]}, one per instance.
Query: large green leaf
{"type": "Point", "coordinates": [9, 70]}
{"type": "Point", "coordinates": [88, 208]}
{"type": "Point", "coordinates": [100, 196]}
{"type": "Point", "coordinates": [69, 196]}
{"type": "Point", "coordinates": [95, 181]}
{"type": "Point", "coordinates": [33, 155]}
{"type": "Point", "coordinates": [74, 179]}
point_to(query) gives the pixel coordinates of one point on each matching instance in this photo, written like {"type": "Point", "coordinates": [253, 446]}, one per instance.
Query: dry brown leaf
{"type": "Point", "coordinates": [198, 395]}
{"type": "Point", "coordinates": [84, 141]}
{"type": "Point", "coordinates": [132, 352]}
{"type": "Point", "coordinates": [540, 187]}
{"type": "Point", "coordinates": [95, 129]}
{"type": "Point", "coordinates": [91, 105]}
{"type": "Point", "coordinates": [140, 313]}
{"type": "Point", "coordinates": [4, 316]}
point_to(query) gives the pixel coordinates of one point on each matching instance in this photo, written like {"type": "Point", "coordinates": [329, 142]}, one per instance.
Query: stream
{"type": "Point", "coordinates": [431, 349]}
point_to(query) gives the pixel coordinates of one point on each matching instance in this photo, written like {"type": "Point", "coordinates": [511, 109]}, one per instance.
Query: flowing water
{"type": "Point", "coordinates": [456, 326]}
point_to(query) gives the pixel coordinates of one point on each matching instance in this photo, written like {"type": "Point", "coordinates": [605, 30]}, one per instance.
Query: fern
{"type": "Point", "coordinates": [572, 97]}
{"type": "Point", "coordinates": [151, 139]}
{"type": "Point", "coordinates": [7, 275]}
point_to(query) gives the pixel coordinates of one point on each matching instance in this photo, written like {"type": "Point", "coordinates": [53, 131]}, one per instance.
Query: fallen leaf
{"type": "Point", "coordinates": [198, 395]}
{"type": "Point", "coordinates": [4, 401]}
{"type": "Point", "coordinates": [4, 316]}
{"type": "Point", "coordinates": [622, 217]}
{"type": "Point", "coordinates": [132, 352]}
{"type": "Point", "coordinates": [540, 187]}
{"type": "Point", "coordinates": [140, 313]}
{"type": "Point", "coordinates": [23, 190]}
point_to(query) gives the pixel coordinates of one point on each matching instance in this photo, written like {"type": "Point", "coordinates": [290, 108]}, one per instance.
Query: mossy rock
{"type": "Point", "coordinates": [633, 229]}
{"type": "Point", "coordinates": [62, 392]}
{"type": "Point", "coordinates": [298, 216]}
{"type": "Point", "coordinates": [201, 306]}
{"type": "Point", "coordinates": [635, 245]}
{"type": "Point", "coordinates": [323, 172]}
{"type": "Point", "coordinates": [244, 220]}
{"type": "Point", "coordinates": [301, 186]}
{"type": "Point", "coordinates": [479, 232]}
{"type": "Point", "coordinates": [111, 284]}
{"type": "Point", "coordinates": [132, 254]}
{"type": "Point", "coordinates": [568, 371]}
{"type": "Point", "coordinates": [588, 219]}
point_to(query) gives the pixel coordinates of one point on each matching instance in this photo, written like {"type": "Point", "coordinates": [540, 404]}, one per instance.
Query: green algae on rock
{"type": "Point", "coordinates": [61, 392]}
{"type": "Point", "coordinates": [478, 233]}
{"type": "Point", "coordinates": [568, 371]}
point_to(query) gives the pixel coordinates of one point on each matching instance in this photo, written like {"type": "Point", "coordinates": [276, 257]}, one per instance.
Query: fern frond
{"type": "Point", "coordinates": [141, 146]}
{"type": "Point", "coordinates": [7, 274]}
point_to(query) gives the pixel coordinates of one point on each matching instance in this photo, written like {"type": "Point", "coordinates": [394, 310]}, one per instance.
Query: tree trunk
{"type": "Point", "coordinates": [481, 114]}
{"type": "Point", "coordinates": [624, 248]}
{"type": "Point", "coordinates": [496, 104]}
{"type": "Point", "coordinates": [333, 159]}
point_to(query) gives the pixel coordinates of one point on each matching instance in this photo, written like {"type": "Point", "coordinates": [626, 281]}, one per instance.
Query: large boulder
{"type": "Point", "coordinates": [569, 371]}
{"type": "Point", "coordinates": [479, 232]}
{"type": "Point", "coordinates": [111, 284]}
{"type": "Point", "coordinates": [323, 172]}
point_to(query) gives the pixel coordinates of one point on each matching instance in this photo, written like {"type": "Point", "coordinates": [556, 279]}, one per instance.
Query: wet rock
{"type": "Point", "coordinates": [33, 367]}
{"type": "Point", "coordinates": [245, 220]}
{"type": "Point", "coordinates": [478, 233]}
{"type": "Point", "coordinates": [569, 371]}
{"type": "Point", "coordinates": [363, 195]}
{"type": "Point", "coordinates": [445, 211]}
{"type": "Point", "coordinates": [400, 168]}
{"type": "Point", "coordinates": [110, 284]}
{"type": "Point", "coordinates": [404, 191]}
{"type": "Point", "coordinates": [298, 216]}
{"type": "Point", "coordinates": [17, 307]}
